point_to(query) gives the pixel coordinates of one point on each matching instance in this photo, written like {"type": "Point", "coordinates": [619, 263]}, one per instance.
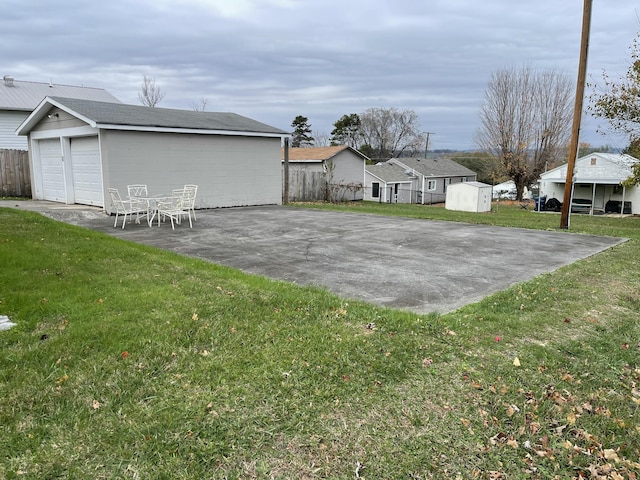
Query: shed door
{"type": "Point", "coordinates": [87, 171]}
{"type": "Point", "coordinates": [52, 170]}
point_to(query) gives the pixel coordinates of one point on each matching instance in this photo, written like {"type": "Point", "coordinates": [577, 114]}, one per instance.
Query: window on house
{"type": "Point", "coordinates": [464, 179]}
{"type": "Point", "coordinates": [594, 160]}
{"type": "Point", "coordinates": [375, 190]}
{"type": "Point", "coordinates": [447, 182]}
{"type": "Point", "coordinates": [431, 185]}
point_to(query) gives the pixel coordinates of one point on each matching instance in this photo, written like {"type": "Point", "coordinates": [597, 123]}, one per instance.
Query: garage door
{"type": "Point", "coordinates": [87, 171]}
{"type": "Point", "coordinates": [52, 170]}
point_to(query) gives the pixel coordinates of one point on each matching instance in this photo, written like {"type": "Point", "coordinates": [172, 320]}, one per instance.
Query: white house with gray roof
{"type": "Point", "coordinates": [19, 98]}
{"type": "Point", "coordinates": [597, 184]}
{"type": "Point", "coordinates": [79, 148]}
{"type": "Point", "coordinates": [414, 180]}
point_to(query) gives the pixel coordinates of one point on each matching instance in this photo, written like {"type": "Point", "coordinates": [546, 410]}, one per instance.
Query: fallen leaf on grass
{"type": "Point", "coordinates": [516, 362]}
{"type": "Point", "coordinates": [426, 362]}
{"type": "Point", "coordinates": [95, 405]}
{"type": "Point", "coordinates": [513, 443]}
{"type": "Point", "coordinates": [611, 455]}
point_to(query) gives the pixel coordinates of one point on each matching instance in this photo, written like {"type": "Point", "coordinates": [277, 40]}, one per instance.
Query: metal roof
{"type": "Point", "coordinates": [609, 168]}
{"type": "Point", "coordinates": [25, 96]}
{"type": "Point", "coordinates": [121, 116]}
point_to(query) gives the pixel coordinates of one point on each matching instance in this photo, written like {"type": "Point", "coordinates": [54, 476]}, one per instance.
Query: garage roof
{"type": "Point", "coordinates": [120, 116]}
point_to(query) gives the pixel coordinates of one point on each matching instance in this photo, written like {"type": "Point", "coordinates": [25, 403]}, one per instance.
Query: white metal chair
{"type": "Point", "coordinates": [190, 192]}
{"type": "Point", "coordinates": [174, 208]}
{"type": "Point", "coordinates": [137, 190]}
{"type": "Point", "coordinates": [126, 207]}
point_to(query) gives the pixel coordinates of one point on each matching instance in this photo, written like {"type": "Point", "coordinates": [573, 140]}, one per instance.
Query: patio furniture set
{"type": "Point", "coordinates": [180, 204]}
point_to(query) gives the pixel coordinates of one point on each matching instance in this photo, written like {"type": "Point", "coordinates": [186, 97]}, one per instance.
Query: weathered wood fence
{"type": "Point", "coordinates": [15, 176]}
{"type": "Point", "coordinates": [305, 186]}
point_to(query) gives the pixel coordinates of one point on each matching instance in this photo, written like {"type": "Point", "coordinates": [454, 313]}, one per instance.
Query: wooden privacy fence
{"type": "Point", "coordinates": [15, 176]}
{"type": "Point", "coordinates": [305, 186]}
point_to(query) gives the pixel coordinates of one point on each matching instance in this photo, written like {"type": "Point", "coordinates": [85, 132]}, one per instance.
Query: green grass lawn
{"type": "Point", "coordinates": [130, 362]}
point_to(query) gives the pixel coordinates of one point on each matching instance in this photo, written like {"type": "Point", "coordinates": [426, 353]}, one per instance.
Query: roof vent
{"type": "Point", "coordinates": [8, 80]}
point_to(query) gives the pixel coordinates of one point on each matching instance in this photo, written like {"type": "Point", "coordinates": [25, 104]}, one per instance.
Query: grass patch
{"type": "Point", "coordinates": [131, 362]}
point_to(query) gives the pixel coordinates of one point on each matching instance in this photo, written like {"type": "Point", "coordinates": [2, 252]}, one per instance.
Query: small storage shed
{"type": "Point", "coordinates": [469, 197]}
{"type": "Point", "coordinates": [79, 148]}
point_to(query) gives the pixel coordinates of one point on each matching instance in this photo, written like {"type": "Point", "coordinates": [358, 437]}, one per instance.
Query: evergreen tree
{"type": "Point", "coordinates": [301, 132]}
{"type": "Point", "coordinates": [346, 131]}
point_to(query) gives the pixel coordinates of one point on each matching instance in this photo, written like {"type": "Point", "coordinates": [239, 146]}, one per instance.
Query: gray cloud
{"type": "Point", "coordinates": [275, 59]}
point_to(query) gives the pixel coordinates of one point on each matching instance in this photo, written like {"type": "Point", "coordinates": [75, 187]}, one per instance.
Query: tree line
{"type": "Point", "coordinates": [379, 133]}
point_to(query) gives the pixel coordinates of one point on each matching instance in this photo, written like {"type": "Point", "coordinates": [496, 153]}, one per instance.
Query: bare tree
{"type": "Point", "coordinates": [388, 131]}
{"type": "Point", "coordinates": [321, 139]}
{"type": "Point", "coordinates": [200, 106]}
{"type": "Point", "coordinates": [526, 121]}
{"type": "Point", "coordinates": [150, 94]}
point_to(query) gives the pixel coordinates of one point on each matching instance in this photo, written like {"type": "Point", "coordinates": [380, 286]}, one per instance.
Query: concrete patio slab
{"type": "Point", "coordinates": [419, 265]}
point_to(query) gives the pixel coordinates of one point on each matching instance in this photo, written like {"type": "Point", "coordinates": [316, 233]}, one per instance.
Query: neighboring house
{"type": "Point", "coordinates": [596, 184]}
{"type": "Point", "coordinates": [507, 191]}
{"type": "Point", "coordinates": [18, 99]}
{"type": "Point", "coordinates": [326, 173]}
{"type": "Point", "coordinates": [389, 183]}
{"type": "Point", "coordinates": [469, 197]}
{"type": "Point", "coordinates": [79, 148]}
{"type": "Point", "coordinates": [425, 180]}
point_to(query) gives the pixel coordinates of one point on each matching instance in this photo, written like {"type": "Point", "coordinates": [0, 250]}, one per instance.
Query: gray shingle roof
{"type": "Point", "coordinates": [25, 96]}
{"type": "Point", "coordinates": [436, 167]}
{"type": "Point", "coordinates": [104, 113]}
{"type": "Point", "coordinates": [388, 172]}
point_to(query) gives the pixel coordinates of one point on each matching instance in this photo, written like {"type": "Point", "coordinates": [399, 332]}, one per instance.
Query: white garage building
{"type": "Point", "coordinates": [79, 148]}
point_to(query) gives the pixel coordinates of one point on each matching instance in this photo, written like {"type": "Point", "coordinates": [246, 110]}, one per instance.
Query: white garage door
{"type": "Point", "coordinates": [52, 170]}
{"type": "Point", "coordinates": [87, 171]}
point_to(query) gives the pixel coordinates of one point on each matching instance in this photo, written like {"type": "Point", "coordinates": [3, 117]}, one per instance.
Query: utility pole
{"type": "Point", "coordinates": [285, 195]}
{"type": "Point", "coordinates": [577, 115]}
{"type": "Point", "coordinates": [426, 144]}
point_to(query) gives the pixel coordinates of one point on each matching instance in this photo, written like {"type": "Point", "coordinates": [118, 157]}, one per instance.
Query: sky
{"type": "Point", "coordinates": [272, 60]}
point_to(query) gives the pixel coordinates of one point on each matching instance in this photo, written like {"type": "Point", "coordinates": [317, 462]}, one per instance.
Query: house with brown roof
{"type": "Point", "coordinates": [326, 173]}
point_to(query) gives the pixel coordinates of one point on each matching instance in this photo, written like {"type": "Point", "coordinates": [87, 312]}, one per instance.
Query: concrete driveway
{"type": "Point", "coordinates": [419, 265]}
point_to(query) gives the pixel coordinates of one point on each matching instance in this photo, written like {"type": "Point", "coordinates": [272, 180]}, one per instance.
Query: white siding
{"type": "Point", "coordinates": [229, 170]}
{"type": "Point", "coordinates": [9, 122]}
